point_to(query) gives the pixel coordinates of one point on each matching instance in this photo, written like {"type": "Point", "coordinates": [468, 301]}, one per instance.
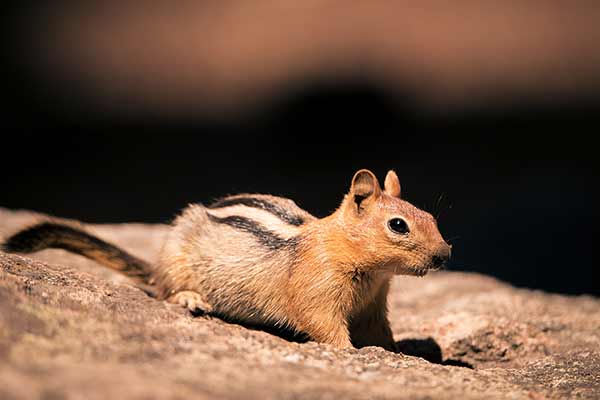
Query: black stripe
{"type": "Point", "coordinates": [265, 236]}
{"type": "Point", "coordinates": [262, 204]}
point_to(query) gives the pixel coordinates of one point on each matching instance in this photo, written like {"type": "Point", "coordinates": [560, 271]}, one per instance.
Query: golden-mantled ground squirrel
{"type": "Point", "coordinates": [262, 260]}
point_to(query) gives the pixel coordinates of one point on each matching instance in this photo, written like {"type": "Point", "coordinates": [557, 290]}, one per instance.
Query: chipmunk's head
{"type": "Point", "coordinates": [388, 233]}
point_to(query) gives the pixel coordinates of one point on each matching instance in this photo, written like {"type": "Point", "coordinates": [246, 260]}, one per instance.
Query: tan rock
{"type": "Point", "coordinates": [72, 329]}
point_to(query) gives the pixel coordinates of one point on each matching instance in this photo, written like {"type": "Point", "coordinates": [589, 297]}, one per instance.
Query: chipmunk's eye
{"type": "Point", "coordinates": [398, 225]}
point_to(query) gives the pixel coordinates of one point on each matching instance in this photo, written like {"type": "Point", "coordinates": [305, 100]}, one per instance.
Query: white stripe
{"type": "Point", "coordinates": [265, 218]}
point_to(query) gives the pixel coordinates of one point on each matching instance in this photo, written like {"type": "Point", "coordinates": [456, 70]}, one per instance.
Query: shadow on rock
{"type": "Point", "coordinates": [284, 333]}
{"type": "Point", "coordinates": [429, 350]}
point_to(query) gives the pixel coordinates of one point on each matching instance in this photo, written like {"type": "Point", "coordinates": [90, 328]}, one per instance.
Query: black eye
{"type": "Point", "coordinates": [398, 225]}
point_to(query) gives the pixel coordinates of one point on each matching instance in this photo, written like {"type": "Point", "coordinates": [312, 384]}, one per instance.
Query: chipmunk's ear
{"type": "Point", "coordinates": [364, 187]}
{"type": "Point", "coordinates": [392, 184]}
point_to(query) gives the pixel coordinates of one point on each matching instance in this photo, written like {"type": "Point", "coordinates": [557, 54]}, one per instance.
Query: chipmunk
{"type": "Point", "coordinates": [262, 260]}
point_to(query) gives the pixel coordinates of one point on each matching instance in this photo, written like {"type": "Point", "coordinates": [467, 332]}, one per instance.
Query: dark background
{"type": "Point", "coordinates": [515, 189]}
{"type": "Point", "coordinates": [513, 182]}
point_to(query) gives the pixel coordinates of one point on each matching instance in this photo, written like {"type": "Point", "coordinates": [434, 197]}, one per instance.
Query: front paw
{"type": "Point", "coordinates": [191, 300]}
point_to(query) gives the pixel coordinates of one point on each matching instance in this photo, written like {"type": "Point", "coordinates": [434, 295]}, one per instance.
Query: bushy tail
{"type": "Point", "coordinates": [61, 236]}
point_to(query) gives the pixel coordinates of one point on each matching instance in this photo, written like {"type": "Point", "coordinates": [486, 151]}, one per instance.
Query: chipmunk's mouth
{"type": "Point", "coordinates": [419, 270]}
{"type": "Point", "coordinates": [438, 263]}
{"type": "Point", "coordinates": [408, 270]}
{"type": "Point", "coordinates": [422, 271]}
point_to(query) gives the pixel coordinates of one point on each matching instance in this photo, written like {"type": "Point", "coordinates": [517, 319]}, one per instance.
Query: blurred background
{"type": "Point", "coordinates": [127, 111]}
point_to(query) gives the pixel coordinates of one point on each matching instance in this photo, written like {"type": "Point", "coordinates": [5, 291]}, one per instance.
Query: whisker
{"type": "Point", "coordinates": [438, 205]}
{"type": "Point", "coordinates": [449, 207]}
{"type": "Point", "coordinates": [439, 201]}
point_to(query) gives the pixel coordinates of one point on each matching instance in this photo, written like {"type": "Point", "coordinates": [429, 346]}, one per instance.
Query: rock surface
{"type": "Point", "coordinates": [72, 329]}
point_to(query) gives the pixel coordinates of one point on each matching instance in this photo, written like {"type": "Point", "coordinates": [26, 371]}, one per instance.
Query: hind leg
{"type": "Point", "coordinates": [191, 300]}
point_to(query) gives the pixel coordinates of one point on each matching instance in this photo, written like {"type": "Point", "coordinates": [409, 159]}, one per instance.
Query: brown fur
{"type": "Point", "coordinates": [328, 278]}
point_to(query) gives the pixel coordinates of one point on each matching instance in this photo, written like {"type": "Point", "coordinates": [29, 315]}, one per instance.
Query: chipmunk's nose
{"type": "Point", "coordinates": [441, 257]}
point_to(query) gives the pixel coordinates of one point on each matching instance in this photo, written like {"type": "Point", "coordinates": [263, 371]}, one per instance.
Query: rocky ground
{"type": "Point", "coordinates": [71, 329]}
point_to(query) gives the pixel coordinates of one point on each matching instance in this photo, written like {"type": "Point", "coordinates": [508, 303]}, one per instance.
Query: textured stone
{"type": "Point", "coordinates": [72, 329]}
